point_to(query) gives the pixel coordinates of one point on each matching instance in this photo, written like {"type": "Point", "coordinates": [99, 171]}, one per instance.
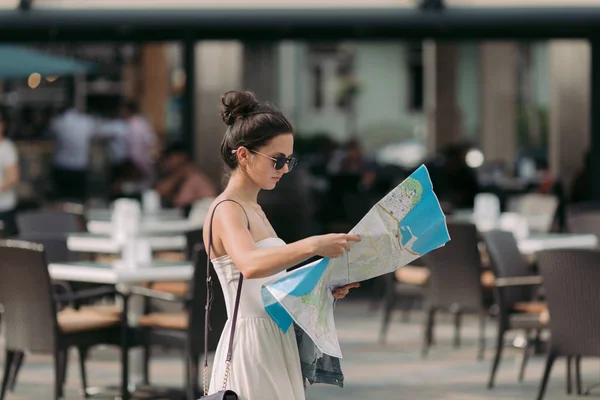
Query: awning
{"type": "Point", "coordinates": [20, 62]}
{"type": "Point", "coordinates": [146, 25]}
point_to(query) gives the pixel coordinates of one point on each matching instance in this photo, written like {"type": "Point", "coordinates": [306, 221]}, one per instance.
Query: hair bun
{"type": "Point", "coordinates": [236, 104]}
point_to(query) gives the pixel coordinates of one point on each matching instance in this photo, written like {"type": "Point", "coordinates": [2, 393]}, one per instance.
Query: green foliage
{"type": "Point", "coordinates": [526, 124]}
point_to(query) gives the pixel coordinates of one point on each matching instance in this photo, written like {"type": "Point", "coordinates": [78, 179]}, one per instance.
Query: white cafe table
{"type": "Point", "coordinates": [124, 279]}
{"type": "Point", "coordinates": [149, 225]}
{"type": "Point", "coordinates": [105, 214]}
{"type": "Point", "coordinates": [96, 243]}
{"type": "Point", "coordinates": [158, 271]}
{"type": "Point", "coordinates": [536, 241]}
{"type": "Point", "coordinates": [554, 241]}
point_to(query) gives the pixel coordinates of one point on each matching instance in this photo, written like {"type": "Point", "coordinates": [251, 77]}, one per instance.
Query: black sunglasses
{"type": "Point", "coordinates": [280, 161]}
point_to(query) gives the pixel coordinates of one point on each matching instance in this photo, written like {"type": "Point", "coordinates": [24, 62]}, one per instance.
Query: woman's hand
{"type": "Point", "coordinates": [342, 292]}
{"type": "Point", "coordinates": [332, 245]}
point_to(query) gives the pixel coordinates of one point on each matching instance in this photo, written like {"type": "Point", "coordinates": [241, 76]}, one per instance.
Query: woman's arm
{"type": "Point", "coordinates": [168, 184]}
{"type": "Point", "coordinates": [254, 262]}
{"type": "Point", "coordinates": [195, 187]}
{"type": "Point", "coordinates": [11, 178]}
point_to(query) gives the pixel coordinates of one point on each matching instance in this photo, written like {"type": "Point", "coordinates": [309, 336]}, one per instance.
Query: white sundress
{"type": "Point", "coordinates": [265, 361]}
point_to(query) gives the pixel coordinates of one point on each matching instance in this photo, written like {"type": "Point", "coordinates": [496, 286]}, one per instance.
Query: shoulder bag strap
{"type": "Point", "coordinates": [209, 298]}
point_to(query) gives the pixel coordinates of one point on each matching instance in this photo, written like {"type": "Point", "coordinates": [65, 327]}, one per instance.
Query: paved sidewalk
{"type": "Point", "coordinates": [393, 371]}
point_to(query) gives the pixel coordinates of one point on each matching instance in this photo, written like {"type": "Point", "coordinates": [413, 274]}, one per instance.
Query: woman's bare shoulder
{"type": "Point", "coordinates": [227, 209]}
{"type": "Point", "coordinates": [223, 204]}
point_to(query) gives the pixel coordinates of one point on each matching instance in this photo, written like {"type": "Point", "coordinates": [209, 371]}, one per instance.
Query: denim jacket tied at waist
{"type": "Point", "coordinates": [316, 366]}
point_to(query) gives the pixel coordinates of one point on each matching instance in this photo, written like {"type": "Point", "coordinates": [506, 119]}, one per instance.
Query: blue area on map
{"type": "Point", "coordinates": [422, 219]}
{"type": "Point", "coordinates": [303, 280]}
{"type": "Point", "coordinates": [276, 310]}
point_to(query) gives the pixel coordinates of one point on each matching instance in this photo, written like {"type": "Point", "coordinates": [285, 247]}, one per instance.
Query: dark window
{"type": "Point", "coordinates": [317, 81]}
{"type": "Point", "coordinates": [415, 77]}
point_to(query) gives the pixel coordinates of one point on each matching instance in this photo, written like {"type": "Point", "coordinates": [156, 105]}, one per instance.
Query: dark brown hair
{"type": "Point", "coordinates": [250, 123]}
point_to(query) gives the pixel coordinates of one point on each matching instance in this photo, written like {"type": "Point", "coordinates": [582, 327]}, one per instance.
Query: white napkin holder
{"type": "Point", "coordinates": [125, 220]}
{"type": "Point", "coordinates": [151, 202]}
{"type": "Point", "coordinates": [515, 223]}
{"type": "Point", "coordinates": [136, 252]}
{"type": "Point", "coordinates": [486, 211]}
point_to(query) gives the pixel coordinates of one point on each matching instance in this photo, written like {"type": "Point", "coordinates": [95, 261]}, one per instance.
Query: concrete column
{"type": "Point", "coordinates": [260, 69]}
{"type": "Point", "coordinates": [499, 96]}
{"type": "Point", "coordinates": [444, 123]}
{"type": "Point", "coordinates": [219, 69]}
{"type": "Point", "coordinates": [155, 84]}
{"type": "Point", "coordinates": [290, 56]}
{"type": "Point", "coordinates": [569, 87]}
{"type": "Point", "coordinates": [594, 167]}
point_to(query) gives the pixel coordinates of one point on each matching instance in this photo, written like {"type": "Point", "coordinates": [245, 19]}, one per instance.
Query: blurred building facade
{"type": "Point", "coordinates": [502, 96]}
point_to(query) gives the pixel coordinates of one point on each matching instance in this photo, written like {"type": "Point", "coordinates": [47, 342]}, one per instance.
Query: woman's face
{"type": "Point", "coordinates": [261, 168]}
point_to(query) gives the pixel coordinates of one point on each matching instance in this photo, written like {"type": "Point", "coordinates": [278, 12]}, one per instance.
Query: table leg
{"type": "Point", "coordinates": [136, 356]}
{"type": "Point", "coordinates": [135, 309]}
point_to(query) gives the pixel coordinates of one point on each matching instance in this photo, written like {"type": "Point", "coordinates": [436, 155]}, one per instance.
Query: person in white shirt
{"type": "Point", "coordinates": [9, 179]}
{"type": "Point", "coordinates": [73, 131]}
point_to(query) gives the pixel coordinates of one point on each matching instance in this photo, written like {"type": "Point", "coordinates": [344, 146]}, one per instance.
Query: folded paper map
{"type": "Point", "coordinates": [406, 224]}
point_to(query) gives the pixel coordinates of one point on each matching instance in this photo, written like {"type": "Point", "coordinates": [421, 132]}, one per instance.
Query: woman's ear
{"type": "Point", "coordinates": [243, 156]}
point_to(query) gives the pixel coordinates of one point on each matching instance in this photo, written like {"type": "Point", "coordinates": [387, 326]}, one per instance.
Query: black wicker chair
{"type": "Point", "coordinates": [55, 246]}
{"type": "Point", "coordinates": [398, 291]}
{"type": "Point", "coordinates": [455, 283]}
{"type": "Point", "coordinates": [55, 250]}
{"type": "Point", "coordinates": [51, 224]}
{"type": "Point", "coordinates": [30, 307]}
{"type": "Point", "coordinates": [193, 237]}
{"type": "Point", "coordinates": [50, 221]}
{"type": "Point", "coordinates": [584, 221]}
{"type": "Point", "coordinates": [583, 207]}
{"type": "Point", "coordinates": [571, 284]}
{"type": "Point", "coordinates": [514, 295]}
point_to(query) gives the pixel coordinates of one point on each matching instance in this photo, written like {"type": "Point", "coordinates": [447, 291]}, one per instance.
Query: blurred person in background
{"type": "Point", "coordinates": [291, 207]}
{"type": "Point", "coordinates": [350, 179]}
{"type": "Point", "coordinates": [580, 191]}
{"type": "Point", "coordinates": [141, 141]}
{"type": "Point", "coordinates": [73, 131]}
{"type": "Point", "coordinates": [115, 131]}
{"type": "Point", "coordinates": [461, 184]}
{"type": "Point", "coordinates": [181, 183]}
{"type": "Point", "coordinates": [9, 179]}
{"type": "Point", "coordinates": [128, 181]}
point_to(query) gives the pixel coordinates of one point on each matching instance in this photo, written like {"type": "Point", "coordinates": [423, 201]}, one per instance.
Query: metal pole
{"type": "Point", "coordinates": [595, 121]}
{"type": "Point", "coordinates": [189, 96]}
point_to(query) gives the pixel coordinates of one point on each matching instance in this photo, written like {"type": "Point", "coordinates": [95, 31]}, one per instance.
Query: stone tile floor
{"type": "Point", "coordinates": [392, 371]}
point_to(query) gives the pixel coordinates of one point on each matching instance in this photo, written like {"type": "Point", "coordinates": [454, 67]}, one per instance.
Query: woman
{"type": "Point", "coordinates": [257, 150]}
{"type": "Point", "coordinates": [9, 179]}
